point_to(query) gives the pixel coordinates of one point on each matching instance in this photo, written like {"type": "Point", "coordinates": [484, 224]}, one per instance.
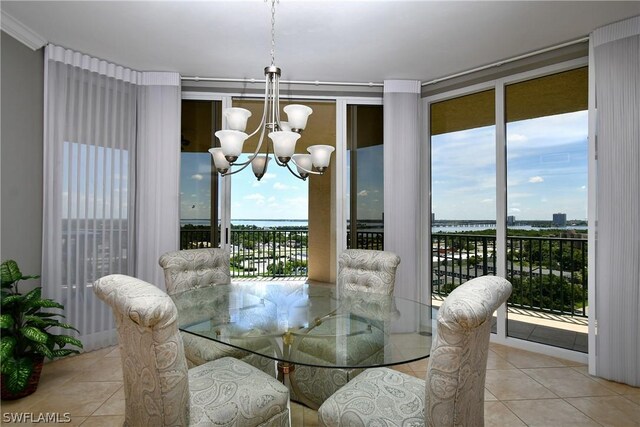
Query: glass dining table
{"type": "Point", "coordinates": [309, 325]}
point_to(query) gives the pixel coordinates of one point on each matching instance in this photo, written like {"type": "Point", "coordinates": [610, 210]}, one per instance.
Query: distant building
{"type": "Point", "coordinates": [433, 217]}
{"type": "Point", "coordinates": [511, 220]}
{"type": "Point", "coordinates": [559, 219]}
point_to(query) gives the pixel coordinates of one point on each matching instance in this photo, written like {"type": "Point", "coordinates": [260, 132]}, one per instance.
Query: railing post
{"type": "Point", "coordinates": [273, 256]}
{"type": "Point", "coordinates": [484, 256]}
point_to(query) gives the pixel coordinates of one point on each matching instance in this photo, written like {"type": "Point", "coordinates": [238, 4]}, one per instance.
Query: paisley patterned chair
{"type": "Point", "coordinates": [359, 271]}
{"type": "Point", "coordinates": [453, 393]}
{"type": "Point", "coordinates": [196, 268]}
{"type": "Point", "coordinates": [160, 390]}
{"type": "Point", "coordinates": [368, 271]}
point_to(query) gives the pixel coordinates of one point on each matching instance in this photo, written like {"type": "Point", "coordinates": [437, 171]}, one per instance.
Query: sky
{"type": "Point", "coordinates": [546, 170]}
{"type": "Point", "coordinates": [546, 173]}
{"type": "Point", "coordinates": [278, 195]}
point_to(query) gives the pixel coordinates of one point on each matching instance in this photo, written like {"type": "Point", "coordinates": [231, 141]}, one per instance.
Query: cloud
{"type": "Point", "coordinates": [487, 200]}
{"type": "Point", "coordinates": [197, 177]}
{"type": "Point", "coordinates": [584, 187]}
{"type": "Point", "coordinates": [514, 210]}
{"type": "Point", "coordinates": [536, 179]}
{"type": "Point", "coordinates": [256, 197]}
{"type": "Point", "coordinates": [516, 137]}
{"type": "Point", "coordinates": [363, 193]}
{"type": "Point", "coordinates": [281, 186]}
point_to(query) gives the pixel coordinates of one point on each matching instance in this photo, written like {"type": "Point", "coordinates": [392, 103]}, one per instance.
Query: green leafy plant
{"type": "Point", "coordinates": [26, 336]}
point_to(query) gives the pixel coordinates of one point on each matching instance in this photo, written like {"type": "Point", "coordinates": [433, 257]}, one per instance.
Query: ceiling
{"type": "Point", "coordinates": [347, 41]}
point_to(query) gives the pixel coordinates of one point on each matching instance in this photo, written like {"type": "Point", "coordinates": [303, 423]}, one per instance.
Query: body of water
{"type": "Point", "coordinates": [462, 228]}
{"type": "Point", "coordinates": [265, 223]}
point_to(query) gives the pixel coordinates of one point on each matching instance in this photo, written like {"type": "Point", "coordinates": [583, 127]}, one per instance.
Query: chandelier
{"type": "Point", "coordinates": [283, 134]}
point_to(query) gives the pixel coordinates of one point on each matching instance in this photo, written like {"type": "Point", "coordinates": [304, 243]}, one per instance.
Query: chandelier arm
{"type": "Point", "coordinates": [243, 167]}
{"type": "Point", "coordinates": [277, 87]}
{"type": "Point", "coordinates": [305, 169]}
{"type": "Point", "coordinates": [260, 127]}
{"type": "Point", "coordinates": [294, 173]}
{"type": "Point", "coordinates": [278, 161]}
{"type": "Point", "coordinates": [264, 109]}
{"type": "Point", "coordinates": [255, 153]}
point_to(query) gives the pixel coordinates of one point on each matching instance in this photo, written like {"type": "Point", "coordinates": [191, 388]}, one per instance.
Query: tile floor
{"type": "Point", "coordinates": [522, 389]}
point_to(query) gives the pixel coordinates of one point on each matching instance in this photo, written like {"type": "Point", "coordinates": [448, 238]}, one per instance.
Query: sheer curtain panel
{"type": "Point", "coordinates": [89, 158]}
{"type": "Point", "coordinates": [111, 174]}
{"type": "Point", "coordinates": [616, 61]}
{"type": "Point", "coordinates": [158, 173]}
{"type": "Point", "coordinates": [401, 181]}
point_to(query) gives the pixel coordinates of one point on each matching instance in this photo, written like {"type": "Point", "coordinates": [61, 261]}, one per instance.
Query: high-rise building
{"type": "Point", "coordinates": [559, 219]}
{"type": "Point", "coordinates": [433, 217]}
{"type": "Point", "coordinates": [511, 220]}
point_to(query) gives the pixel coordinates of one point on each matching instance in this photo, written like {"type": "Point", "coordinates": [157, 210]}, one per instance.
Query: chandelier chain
{"type": "Point", "coordinates": [273, 32]}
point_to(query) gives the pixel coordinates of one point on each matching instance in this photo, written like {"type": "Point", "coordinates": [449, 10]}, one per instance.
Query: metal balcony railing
{"type": "Point", "coordinates": [548, 274]}
{"type": "Point", "coordinates": [258, 253]}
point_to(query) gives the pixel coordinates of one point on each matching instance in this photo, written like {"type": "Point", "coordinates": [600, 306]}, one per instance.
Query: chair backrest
{"type": "Point", "coordinates": [195, 268]}
{"type": "Point", "coordinates": [458, 359]}
{"type": "Point", "coordinates": [368, 271]}
{"type": "Point", "coordinates": [154, 367]}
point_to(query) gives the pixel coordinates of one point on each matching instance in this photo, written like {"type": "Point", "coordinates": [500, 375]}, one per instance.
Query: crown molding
{"type": "Point", "coordinates": [21, 32]}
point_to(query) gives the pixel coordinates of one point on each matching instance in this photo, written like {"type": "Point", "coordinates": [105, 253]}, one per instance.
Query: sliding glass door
{"type": "Point", "coordinates": [508, 196]}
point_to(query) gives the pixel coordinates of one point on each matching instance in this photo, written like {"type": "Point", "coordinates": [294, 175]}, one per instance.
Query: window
{"type": "Point", "coordinates": [546, 133]}
{"type": "Point", "coordinates": [365, 177]}
{"type": "Point", "coordinates": [463, 189]}
{"type": "Point", "coordinates": [543, 198]}
{"type": "Point", "coordinates": [199, 183]}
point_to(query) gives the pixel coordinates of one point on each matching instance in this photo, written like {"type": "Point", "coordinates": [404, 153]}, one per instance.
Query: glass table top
{"type": "Point", "coordinates": [309, 325]}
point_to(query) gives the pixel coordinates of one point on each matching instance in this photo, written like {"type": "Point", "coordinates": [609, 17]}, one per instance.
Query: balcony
{"type": "Point", "coordinates": [549, 277]}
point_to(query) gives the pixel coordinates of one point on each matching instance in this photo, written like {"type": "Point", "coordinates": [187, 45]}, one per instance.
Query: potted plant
{"type": "Point", "coordinates": [26, 336]}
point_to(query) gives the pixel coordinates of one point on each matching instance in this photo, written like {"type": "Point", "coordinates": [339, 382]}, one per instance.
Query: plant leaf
{"type": "Point", "coordinates": [43, 350]}
{"type": "Point", "coordinates": [16, 379]}
{"type": "Point", "coordinates": [46, 314]}
{"type": "Point", "coordinates": [62, 340]}
{"type": "Point", "coordinates": [7, 344]}
{"type": "Point", "coordinates": [34, 334]}
{"type": "Point", "coordinates": [11, 299]}
{"type": "Point", "coordinates": [9, 272]}
{"type": "Point", "coordinates": [64, 352]}
{"type": "Point", "coordinates": [30, 319]}
{"type": "Point", "coordinates": [45, 303]}
{"type": "Point", "coordinates": [8, 364]}
{"type": "Point", "coordinates": [33, 295]}
{"type": "Point", "coordinates": [6, 321]}
{"type": "Point", "coordinates": [65, 326]}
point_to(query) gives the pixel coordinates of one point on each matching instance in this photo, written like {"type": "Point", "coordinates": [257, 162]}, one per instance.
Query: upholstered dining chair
{"type": "Point", "coordinates": [159, 388]}
{"type": "Point", "coordinates": [453, 392]}
{"type": "Point", "coordinates": [367, 270]}
{"type": "Point", "coordinates": [359, 270]}
{"type": "Point", "coordinates": [196, 268]}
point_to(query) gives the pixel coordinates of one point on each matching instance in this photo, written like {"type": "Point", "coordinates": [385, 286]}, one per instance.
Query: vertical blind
{"type": "Point", "coordinates": [89, 154]}
{"type": "Point", "coordinates": [616, 50]}
{"type": "Point", "coordinates": [401, 187]}
{"type": "Point", "coordinates": [111, 135]}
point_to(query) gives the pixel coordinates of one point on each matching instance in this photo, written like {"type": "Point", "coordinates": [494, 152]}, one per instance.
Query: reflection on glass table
{"type": "Point", "coordinates": [308, 325]}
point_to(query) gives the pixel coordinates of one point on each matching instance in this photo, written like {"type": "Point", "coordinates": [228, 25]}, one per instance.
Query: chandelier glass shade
{"type": "Point", "coordinates": [282, 134]}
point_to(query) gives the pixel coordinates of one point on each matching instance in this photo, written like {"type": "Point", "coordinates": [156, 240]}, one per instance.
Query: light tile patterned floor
{"type": "Point", "coordinates": [522, 389]}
